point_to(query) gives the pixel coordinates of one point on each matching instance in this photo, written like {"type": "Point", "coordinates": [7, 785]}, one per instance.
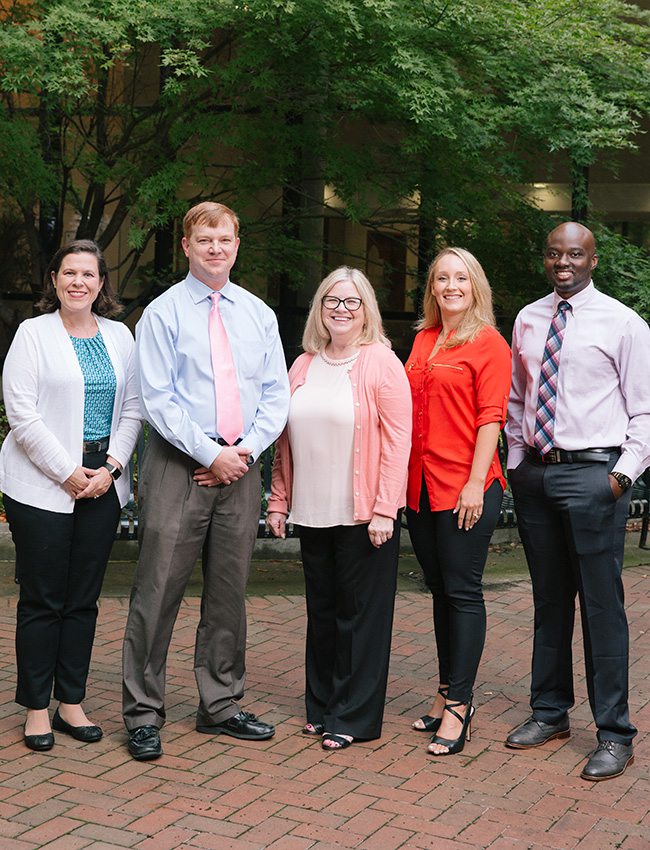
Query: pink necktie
{"type": "Point", "coordinates": [229, 418]}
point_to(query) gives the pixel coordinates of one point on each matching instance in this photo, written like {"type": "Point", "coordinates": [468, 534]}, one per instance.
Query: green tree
{"type": "Point", "coordinates": [126, 111]}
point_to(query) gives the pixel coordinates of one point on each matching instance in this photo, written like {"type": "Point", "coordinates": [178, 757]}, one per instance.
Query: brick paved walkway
{"type": "Point", "coordinates": [287, 794]}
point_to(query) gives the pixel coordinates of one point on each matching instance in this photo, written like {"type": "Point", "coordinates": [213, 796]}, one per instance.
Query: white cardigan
{"type": "Point", "coordinates": [43, 390]}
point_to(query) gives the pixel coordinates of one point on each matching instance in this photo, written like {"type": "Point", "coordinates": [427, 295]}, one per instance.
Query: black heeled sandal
{"type": "Point", "coordinates": [431, 724]}
{"type": "Point", "coordinates": [455, 745]}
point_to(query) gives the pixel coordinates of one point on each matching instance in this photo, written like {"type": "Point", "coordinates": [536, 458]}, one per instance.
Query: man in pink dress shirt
{"type": "Point", "coordinates": [571, 490]}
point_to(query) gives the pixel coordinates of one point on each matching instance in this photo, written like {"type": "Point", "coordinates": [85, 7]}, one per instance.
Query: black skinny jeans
{"type": "Point", "coordinates": [60, 565]}
{"type": "Point", "coordinates": [453, 561]}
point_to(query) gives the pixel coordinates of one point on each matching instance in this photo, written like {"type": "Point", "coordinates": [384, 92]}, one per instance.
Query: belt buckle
{"type": "Point", "coordinates": [552, 456]}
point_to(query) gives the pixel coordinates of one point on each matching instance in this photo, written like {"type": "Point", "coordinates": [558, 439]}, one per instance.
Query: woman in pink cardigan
{"type": "Point", "coordinates": [340, 476]}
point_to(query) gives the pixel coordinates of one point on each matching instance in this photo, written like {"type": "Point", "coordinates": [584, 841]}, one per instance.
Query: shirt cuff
{"type": "Point", "coordinates": [207, 455]}
{"type": "Point", "coordinates": [385, 508]}
{"type": "Point", "coordinates": [251, 443]}
{"type": "Point", "coordinates": [628, 465]}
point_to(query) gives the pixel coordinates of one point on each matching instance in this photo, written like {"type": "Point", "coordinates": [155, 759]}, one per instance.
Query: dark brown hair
{"type": "Point", "coordinates": [106, 304]}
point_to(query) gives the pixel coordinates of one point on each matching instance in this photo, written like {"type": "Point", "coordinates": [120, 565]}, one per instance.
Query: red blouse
{"type": "Point", "coordinates": [454, 393]}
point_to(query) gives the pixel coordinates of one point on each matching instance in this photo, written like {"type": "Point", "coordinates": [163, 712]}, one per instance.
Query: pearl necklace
{"type": "Point", "coordinates": [344, 362]}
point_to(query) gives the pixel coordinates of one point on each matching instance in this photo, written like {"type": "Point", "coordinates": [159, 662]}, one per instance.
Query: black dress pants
{"type": "Point", "coordinates": [60, 564]}
{"type": "Point", "coordinates": [573, 531]}
{"type": "Point", "coordinates": [350, 590]}
{"type": "Point", "coordinates": [453, 561]}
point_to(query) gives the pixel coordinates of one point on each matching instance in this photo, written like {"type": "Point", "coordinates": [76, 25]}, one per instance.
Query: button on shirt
{"type": "Point", "coordinates": [175, 369]}
{"type": "Point", "coordinates": [603, 396]}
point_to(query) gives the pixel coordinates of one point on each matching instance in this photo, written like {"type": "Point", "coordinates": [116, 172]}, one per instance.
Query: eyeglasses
{"type": "Point", "coordinates": [332, 303]}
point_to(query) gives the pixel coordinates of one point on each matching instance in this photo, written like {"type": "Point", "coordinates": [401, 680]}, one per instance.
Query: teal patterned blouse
{"type": "Point", "coordinates": [99, 385]}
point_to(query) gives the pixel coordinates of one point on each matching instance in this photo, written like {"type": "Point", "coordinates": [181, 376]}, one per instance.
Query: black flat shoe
{"type": "Point", "coordinates": [144, 743]}
{"type": "Point", "coordinates": [85, 734]}
{"type": "Point", "coordinates": [39, 743]}
{"type": "Point", "coordinates": [244, 725]}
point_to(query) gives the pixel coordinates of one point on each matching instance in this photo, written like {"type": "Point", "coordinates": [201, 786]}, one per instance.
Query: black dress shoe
{"type": "Point", "coordinates": [144, 743]}
{"type": "Point", "coordinates": [40, 743]}
{"type": "Point", "coordinates": [608, 760]}
{"type": "Point", "coordinates": [86, 734]}
{"type": "Point", "coordinates": [243, 725]}
{"type": "Point", "coordinates": [534, 733]}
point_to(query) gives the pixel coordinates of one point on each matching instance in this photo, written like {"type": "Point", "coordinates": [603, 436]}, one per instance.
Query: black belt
{"type": "Point", "coordinates": [574, 456]}
{"type": "Point", "coordinates": [92, 446]}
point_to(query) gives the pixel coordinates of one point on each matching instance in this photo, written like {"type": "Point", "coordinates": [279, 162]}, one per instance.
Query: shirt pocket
{"type": "Point", "coordinates": [448, 380]}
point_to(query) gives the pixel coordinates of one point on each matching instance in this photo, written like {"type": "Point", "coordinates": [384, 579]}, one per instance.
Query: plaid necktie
{"type": "Point", "coordinates": [547, 394]}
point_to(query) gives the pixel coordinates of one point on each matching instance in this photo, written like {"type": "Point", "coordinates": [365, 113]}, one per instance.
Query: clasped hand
{"type": "Point", "coordinates": [229, 465]}
{"type": "Point", "coordinates": [85, 483]}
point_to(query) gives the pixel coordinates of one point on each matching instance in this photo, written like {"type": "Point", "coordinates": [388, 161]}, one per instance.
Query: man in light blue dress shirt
{"type": "Point", "coordinates": [200, 497]}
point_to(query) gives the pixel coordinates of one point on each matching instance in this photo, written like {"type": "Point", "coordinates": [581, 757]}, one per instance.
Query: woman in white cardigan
{"type": "Point", "coordinates": [70, 394]}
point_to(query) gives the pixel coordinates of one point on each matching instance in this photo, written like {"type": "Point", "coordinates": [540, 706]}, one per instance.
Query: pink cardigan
{"type": "Point", "coordinates": [382, 435]}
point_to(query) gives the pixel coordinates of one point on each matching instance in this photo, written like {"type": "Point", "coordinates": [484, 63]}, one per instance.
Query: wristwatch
{"type": "Point", "coordinates": [114, 471]}
{"type": "Point", "coordinates": [623, 481]}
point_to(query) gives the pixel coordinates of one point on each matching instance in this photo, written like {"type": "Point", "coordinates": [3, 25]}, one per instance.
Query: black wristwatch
{"type": "Point", "coordinates": [115, 471]}
{"type": "Point", "coordinates": [623, 481]}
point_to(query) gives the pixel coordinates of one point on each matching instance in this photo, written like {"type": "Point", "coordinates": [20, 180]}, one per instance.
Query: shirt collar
{"type": "Point", "coordinates": [200, 291]}
{"type": "Point", "coordinates": [578, 300]}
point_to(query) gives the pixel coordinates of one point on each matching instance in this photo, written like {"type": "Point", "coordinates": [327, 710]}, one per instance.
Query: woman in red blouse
{"type": "Point", "coordinates": [459, 372]}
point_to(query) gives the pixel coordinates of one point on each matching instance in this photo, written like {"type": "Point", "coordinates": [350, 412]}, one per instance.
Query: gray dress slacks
{"type": "Point", "coordinates": [181, 522]}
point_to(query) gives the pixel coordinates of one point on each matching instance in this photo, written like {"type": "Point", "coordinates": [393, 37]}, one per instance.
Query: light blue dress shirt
{"type": "Point", "coordinates": [174, 368]}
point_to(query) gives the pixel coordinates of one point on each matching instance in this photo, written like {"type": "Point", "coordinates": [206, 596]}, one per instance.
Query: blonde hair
{"type": "Point", "coordinates": [316, 336]}
{"type": "Point", "coordinates": [209, 214]}
{"type": "Point", "coordinates": [479, 315]}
